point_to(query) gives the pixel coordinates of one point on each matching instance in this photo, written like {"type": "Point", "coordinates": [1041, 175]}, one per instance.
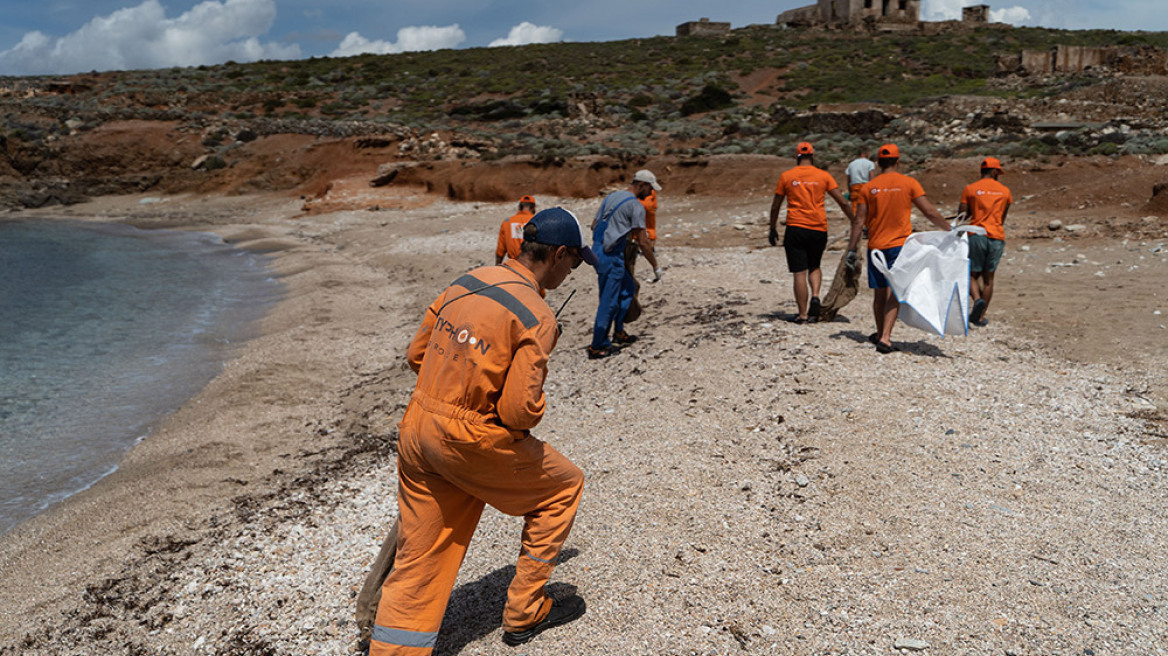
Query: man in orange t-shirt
{"type": "Point", "coordinates": [886, 204]}
{"type": "Point", "coordinates": [511, 231]}
{"type": "Point", "coordinates": [986, 201]}
{"type": "Point", "coordinates": [804, 188]}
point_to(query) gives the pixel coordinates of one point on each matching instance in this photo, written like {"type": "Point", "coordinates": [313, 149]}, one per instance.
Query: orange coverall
{"type": "Point", "coordinates": [511, 235]}
{"type": "Point", "coordinates": [481, 356]}
{"type": "Point", "coordinates": [650, 203]}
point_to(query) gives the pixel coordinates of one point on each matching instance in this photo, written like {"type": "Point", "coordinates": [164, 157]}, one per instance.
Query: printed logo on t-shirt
{"type": "Point", "coordinates": [517, 230]}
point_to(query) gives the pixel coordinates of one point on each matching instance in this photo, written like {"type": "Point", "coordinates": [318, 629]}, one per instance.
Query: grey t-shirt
{"type": "Point", "coordinates": [860, 171]}
{"type": "Point", "coordinates": [628, 215]}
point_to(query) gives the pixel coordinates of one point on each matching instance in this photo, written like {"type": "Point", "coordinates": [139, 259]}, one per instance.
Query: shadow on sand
{"type": "Point", "coordinates": [476, 609]}
{"type": "Point", "coordinates": [919, 348]}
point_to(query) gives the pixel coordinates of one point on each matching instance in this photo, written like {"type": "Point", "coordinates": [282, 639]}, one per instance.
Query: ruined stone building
{"type": "Point", "coordinates": [975, 14]}
{"type": "Point", "coordinates": [877, 14]}
{"type": "Point", "coordinates": [1129, 60]}
{"type": "Point", "coordinates": [703, 27]}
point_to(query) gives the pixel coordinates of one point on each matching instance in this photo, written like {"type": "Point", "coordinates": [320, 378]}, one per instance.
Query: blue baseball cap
{"type": "Point", "coordinates": [557, 226]}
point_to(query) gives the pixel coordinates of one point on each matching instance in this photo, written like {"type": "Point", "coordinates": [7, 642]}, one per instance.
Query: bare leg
{"type": "Point", "coordinates": [816, 280]}
{"type": "Point", "coordinates": [801, 297]}
{"type": "Point", "coordinates": [987, 288]}
{"type": "Point", "coordinates": [886, 308]}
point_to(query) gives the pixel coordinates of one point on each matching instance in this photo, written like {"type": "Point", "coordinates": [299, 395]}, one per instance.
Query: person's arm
{"type": "Point", "coordinates": [1005, 210]}
{"type": "Point", "coordinates": [858, 227]}
{"type": "Point", "coordinates": [522, 401]}
{"type": "Point", "coordinates": [421, 340]}
{"type": "Point", "coordinates": [501, 245]}
{"type": "Point", "coordinates": [931, 213]}
{"type": "Point", "coordinates": [843, 204]}
{"type": "Point", "coordinates": [962, 208]}
{"type": "Point", "coordinates": [641, 237]}
{"type": "Point", "coordinates": [773, 233]}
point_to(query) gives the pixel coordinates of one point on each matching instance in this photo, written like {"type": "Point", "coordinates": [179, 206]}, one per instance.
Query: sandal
{"type": "Point", "coordinates": [623, 338]}
{"type": "Point", "coordinates": [598, 353]}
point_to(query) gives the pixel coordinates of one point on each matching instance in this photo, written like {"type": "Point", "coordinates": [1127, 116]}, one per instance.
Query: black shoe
{"type": "Point", "coordinates": [881, 347]}
{"type": "Point", "coordinates": [598, 353]}
{"type": "Point", "coordinates": [623, 338]}
{"type": "Point", "coordinates": [979, 308]}
{"type": "Point", "coordinates": [874, 338]}
{"type": "Point", "coordinates": [562, 612]}
{"type": "Point", "coordinates": [813, 310]}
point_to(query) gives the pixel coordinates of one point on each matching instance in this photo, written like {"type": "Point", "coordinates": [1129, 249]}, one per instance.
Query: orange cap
{"type": "Point", "coordinates": [991, 163]}
{"type": "Point", "coordinates": [889, 150]}
{"type": "Point", "coordinates": [527, 199]}
{"type": "Point", "coordinates": [805, 148]}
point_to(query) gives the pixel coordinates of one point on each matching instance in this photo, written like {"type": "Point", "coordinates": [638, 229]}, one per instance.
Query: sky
{"type": "Point", "coordinates": [40, 37]}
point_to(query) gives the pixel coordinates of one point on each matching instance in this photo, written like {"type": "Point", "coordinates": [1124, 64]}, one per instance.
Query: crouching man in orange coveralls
{"type": "Point", "coordinates": [481, 356]}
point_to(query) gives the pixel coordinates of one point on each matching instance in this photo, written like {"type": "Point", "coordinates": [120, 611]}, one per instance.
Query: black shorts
{"type": "Point", "coordinates": [804, 248]}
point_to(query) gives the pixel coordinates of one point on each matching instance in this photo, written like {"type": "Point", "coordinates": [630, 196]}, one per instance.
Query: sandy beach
{"type": "Point", "coordinates": [753, 485]}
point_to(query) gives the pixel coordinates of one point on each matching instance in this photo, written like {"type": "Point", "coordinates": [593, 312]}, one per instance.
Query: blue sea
{"type": "Point", "coordinates": [104, 330]}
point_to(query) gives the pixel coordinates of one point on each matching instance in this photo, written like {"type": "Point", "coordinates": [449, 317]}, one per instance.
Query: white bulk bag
{"type": "Point", "coordinates": [930, 278]}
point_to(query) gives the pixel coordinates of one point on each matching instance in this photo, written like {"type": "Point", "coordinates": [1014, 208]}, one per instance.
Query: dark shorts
{"type": "Point", "coordinates": [804, 248]}
{"type": "Point", "coordinates": [984, 253]}
{"type": "Point", "coordinates": [876, 280]}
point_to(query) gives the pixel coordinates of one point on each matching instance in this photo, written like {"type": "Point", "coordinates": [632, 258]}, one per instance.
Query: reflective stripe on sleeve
{"type": "Point", "coordinates": [500, 296]}
{"type": "Point", "coordinates": [539, 559]}
{"type": "Point", "coordinates": [403, 638]}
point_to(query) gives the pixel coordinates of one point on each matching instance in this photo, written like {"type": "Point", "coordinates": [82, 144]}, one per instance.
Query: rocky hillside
{"type": "Point", "coordinates": [289, 125]}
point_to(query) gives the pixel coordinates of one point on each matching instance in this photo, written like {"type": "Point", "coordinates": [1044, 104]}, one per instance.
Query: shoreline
{"type": "Point", "coordinates": [178, 337]}
{"type": "Point", "coordinates": [780, 494]}
{"type": "Point", "coordinates": [180, 480]}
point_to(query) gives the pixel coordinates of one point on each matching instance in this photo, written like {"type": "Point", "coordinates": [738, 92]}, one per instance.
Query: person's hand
{"type": "Point", "coordinates": [773, 237]}
{"type": "Point", "coordinates": [657, 274]}
{"type": "Point", "coordinates": [852, 260]}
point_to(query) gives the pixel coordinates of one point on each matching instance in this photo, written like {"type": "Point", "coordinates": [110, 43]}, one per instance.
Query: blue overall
{"type": "Point", "coordinates": [616, 284]}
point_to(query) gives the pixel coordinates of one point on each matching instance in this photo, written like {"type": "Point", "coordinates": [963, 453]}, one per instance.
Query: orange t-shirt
{"type": "Point", "coordinates": [889, 197]}
{"type": "Point", "coordinates": [511, 235]}
{"type": "Point", "coordinates": [987, 200]}
{"type": "Point", "coordinates": [650, 203]}
{"type": "Point", "coordinates": [805, 188]}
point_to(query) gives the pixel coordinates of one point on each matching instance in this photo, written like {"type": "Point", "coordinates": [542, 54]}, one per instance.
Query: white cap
{"type": "Point", "coordinates": [645, 175]}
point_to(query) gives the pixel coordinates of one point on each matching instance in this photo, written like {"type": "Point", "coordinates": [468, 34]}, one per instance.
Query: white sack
{"type": "Point", "coordinates": [930, 278]}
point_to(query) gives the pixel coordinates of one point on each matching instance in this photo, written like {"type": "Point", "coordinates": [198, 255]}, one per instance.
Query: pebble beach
{"type": "Point", "coordinates": [752, 485]}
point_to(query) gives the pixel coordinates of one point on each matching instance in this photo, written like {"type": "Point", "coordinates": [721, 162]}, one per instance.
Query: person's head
{"type": "Point", "coordinates": [553, 245]}
{"type": "Point", "coordinates": [888, 156]}
{"type": "Point", "coordinates": [644, 183]}
{"type": "Point", "coordinates": [991, 168]}
{"type": "Point", "coordinates": [527, 204]}
{"type": "Point", "coordinates": [864, 150]}
{"type": "Point", "coordinates": [805, 152]}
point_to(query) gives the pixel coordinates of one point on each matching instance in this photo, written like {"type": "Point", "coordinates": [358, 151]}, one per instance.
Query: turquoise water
{"type": "Point", "coordinates": [104, 329]}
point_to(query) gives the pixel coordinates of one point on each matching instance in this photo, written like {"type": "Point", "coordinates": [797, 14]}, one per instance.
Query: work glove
{"type": "Point", "coordinates": [852, 260]}
{"type": "Point", "coordinates": [773, 237]}
{"type": "Point", "coordinates": [657, 274]}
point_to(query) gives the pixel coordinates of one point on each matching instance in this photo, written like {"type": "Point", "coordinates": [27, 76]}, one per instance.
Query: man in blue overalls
{"type": "Point", "coordinates": [619, 216]}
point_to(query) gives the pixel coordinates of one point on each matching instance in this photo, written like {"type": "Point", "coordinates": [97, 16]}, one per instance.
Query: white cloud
{"type": "Point", "coordinates": [938, 10]}
{"type": "Point", "coordinates": [409, 39]}
{"type": "Point", "coordinates": [139, 37]}
{"type": "Point", "coordinates": [1011, 15]}
{"type": "Point", "coordinates": [526, 33]}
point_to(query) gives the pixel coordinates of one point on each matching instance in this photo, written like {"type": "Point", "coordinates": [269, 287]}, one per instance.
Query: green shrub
{"type": "Point", "coordinates": [711, 98]}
